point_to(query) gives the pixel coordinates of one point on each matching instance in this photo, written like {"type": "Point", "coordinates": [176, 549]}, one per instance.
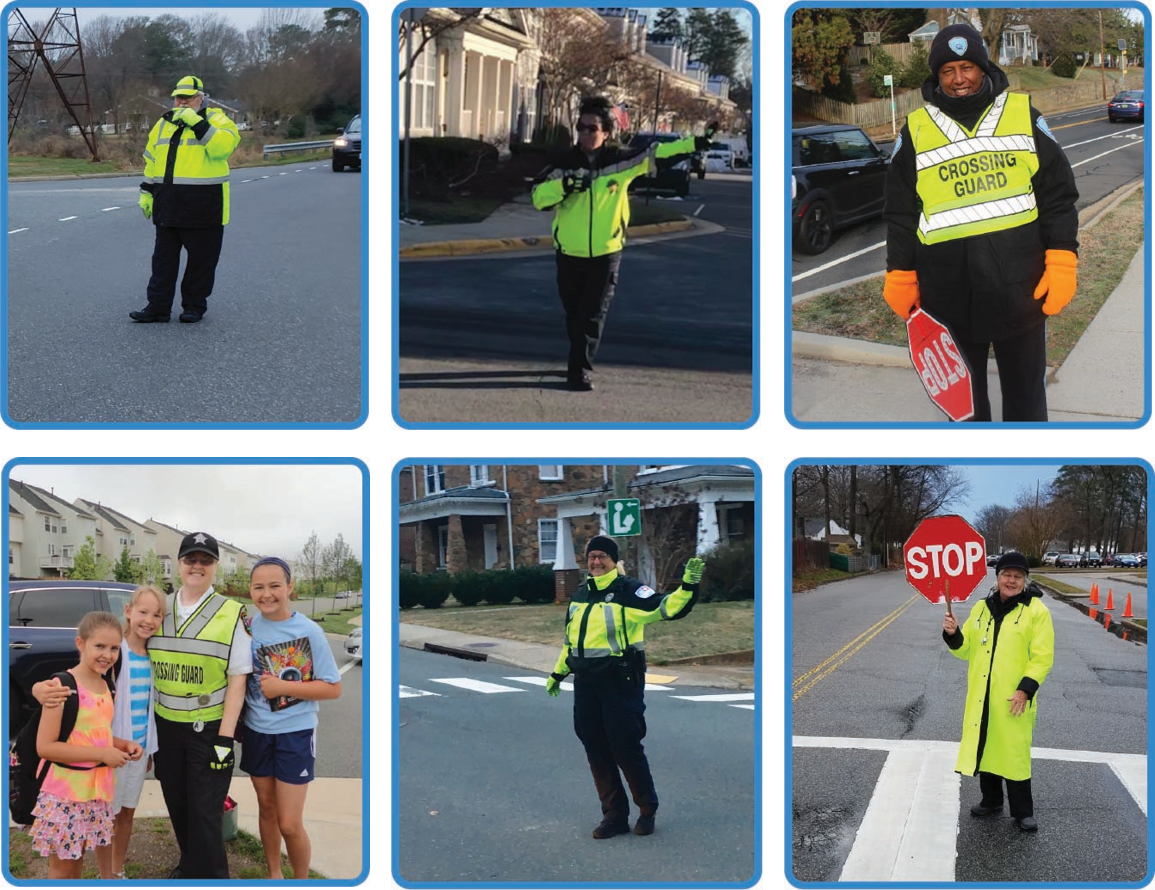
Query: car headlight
{"type": "Point", "coordinates": [793, 186]}
{"type": "Point", "coordinates": [341, 143]}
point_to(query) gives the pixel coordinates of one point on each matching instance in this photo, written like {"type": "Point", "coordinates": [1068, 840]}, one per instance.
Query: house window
{"type": "Point", "coordinates": [122, 541]}
{"type": "Point", "coordinates": [47, 523]}
{"type": "Point", "coordinates": [479, 474]}
{"type": "Point", "coordinates": [424, 85]}
{"type": "Point", "coordinates": [66, 551]}
{"type": "Point", "coordinates": [434, 479]}
{"type": "Point", "coordinates": [51, 549]}
{"type": "Point", "coordinates": [547, 540]}
{"type": "Point", "coordinates": [731, 525]}
{"type": "Point", "coordinates": [550, 472]}
{"type": "Point", "coordinates": [54, 526]}
{"type": "Point", "coordinates": [442, 546]}
{"type": "Point", "coordinates": [11, 558]}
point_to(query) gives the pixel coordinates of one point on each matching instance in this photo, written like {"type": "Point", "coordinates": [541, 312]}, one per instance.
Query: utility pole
{"type": "Point", "coordinates": [1102, 57]}
{"type": "Point", "coordinates": [625, 545]}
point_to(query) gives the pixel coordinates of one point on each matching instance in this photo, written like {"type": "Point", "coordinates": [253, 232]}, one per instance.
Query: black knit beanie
{"type": "Point", "coordinates": [955, 43]}
{"type": "Point", "coordinates": [605, 545]}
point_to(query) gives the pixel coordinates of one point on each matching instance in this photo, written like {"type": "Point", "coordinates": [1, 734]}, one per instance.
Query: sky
{"type": "Point", "coordinates": [266, 509]}
{"type": "Point", "coordinates": [244, 17]}
{"type": "Point", "coordinates": [1000, 484]}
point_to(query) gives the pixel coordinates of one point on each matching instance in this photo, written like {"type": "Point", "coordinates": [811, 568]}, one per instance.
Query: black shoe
{"type": "Point", "coordinates": [176, 875]}
{"type": "Point", "coordinates": [979, 810]}
{"type": "Point", "coordinates": [609, 827]}
{"type": "Point", "coordinates": [579, 384]}
{"type": "Point", "coordinates": [146, 315]}
{"type": "Point", "coordinates": [1028, 823]}
{"type": "Point", "coordinates": [190, 317]}
{"type": "Point", "coordinates": [644, 825]}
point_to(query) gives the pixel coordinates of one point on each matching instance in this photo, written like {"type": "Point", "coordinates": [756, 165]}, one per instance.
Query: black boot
{"type": "Point", "coordinates": [149, 314]}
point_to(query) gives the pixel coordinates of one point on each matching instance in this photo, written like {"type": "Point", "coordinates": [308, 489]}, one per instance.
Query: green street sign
{"type": "Point", "coordinates": [624, 516]}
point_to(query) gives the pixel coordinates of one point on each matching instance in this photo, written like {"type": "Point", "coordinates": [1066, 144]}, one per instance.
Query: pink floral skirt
{"type": "Point", "coordinates": [67, 827]}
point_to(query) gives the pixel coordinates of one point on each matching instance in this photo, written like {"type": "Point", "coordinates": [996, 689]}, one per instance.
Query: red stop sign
{"type": "Point", "coordinates": [941, 366]}
{"type": "Point", "coordinates": [945, 553]}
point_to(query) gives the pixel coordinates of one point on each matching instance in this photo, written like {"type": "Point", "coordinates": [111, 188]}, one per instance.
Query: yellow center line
{"type": "Point", "coordinates": [840, 657]}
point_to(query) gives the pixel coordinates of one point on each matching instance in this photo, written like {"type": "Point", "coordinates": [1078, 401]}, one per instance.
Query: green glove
{"type": "Point", "coordinates": [185, 115]}
{"type": "Point", "coordinates": [221, 754]}
{"type": "Point", "coordinates": [553, 684]}
{"type": "Point", "coordinates": [145, 203]}
{"type": "Point", "coordinates": [694, 569]}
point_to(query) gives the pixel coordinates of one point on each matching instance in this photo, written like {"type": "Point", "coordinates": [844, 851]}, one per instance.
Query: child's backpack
{"type": "Point", "coordinates": [24, 775]}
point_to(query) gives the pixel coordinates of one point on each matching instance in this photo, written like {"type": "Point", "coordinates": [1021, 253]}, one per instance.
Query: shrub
{"type": "Point", "coordinates": [438, 163]}
{"type": "Point", "coordinates": [883, 64]}
{"type": "Point", "coordinates": [534, 584]}
{"type": "Point", "coordinates": [1064, 65]}
{"type": "Point", "coordinates": [843, 91]}
{"type": "Point", "coordinates": [917, 70]}
{"type": "Point", "coordinates": [730, 574]}
{"type": "Point", "coordinates": [430, 591]}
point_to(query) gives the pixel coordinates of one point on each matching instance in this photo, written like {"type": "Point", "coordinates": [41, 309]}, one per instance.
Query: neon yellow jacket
{"type": "Point", "coordinates": [190, 662]}
{"type": "Point", "coordinates": [593, 222]}
{"type": "Point", "coordinates": [187, 170]}
{"type": "Point", "coordinates": [608, 615]}
{"type": "Point", "coordinates": [1022, 658]}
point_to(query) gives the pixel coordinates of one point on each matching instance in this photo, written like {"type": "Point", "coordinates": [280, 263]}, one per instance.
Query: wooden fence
{"type": "Point", "coordinates": [900, 52]}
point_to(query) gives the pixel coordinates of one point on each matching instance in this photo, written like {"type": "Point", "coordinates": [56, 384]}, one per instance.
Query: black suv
{"type": "Point", "coordinates": [672, 176]}
{"type": "Point", "coordinates": [838, 178]}
{"type": "Point", "coordinates": [42, 621]}
{"type": "Point", "coordinates": [347, 146]}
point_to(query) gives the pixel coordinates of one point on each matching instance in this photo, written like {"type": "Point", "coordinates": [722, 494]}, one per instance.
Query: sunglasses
{"type": "Point", "coordinates": [203, 560]}
{"type": "Point", "coordinates": [588, 128]}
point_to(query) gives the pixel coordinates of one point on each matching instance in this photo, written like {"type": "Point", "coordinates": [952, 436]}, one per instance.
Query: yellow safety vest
{"type": "Point", "coordinates": [190, 662]}
{"type": "Point", "coordinates": [978, 181]}
{"type": "Point", "coordinates": [188, 174]}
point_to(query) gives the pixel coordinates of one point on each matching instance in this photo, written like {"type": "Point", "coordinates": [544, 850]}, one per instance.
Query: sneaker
{"type": "Point", "coordinates": [1028, 823]}
{"type": "Point", "coordinates": [609, 827]}
{"type": "Point", "coordinates": [147, 315]}
{"type": "Point", "coordinates": [644, 825]}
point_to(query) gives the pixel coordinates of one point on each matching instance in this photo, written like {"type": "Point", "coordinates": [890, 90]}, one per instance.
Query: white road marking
{"type": "Point", "coordinates": [348, 665]}
{"type": "Point", "coordinates": [839, 261]}
{"type": "Point", "coordinates": [283, 173]}
{"type": "Point", "coordinates": [248, 180]}
{"type": "Point", "coordinates": [106, 209]}
{"type": "Point", "coordinates": [701, 207]}
{"type": "Point", "coordinates": [1105, 153]}
{"type": "Point", "coordinates": [1110, 135]}
{"type": "Point", "coordinates": [721, 697]}
{"type": "Point", "coordinates": [743, 707]}
{"type": "Point", "coordinates": [905, 832]}
{"type": "Point", "coordinates": [477, 685]}
{"type": "Point", "coordinates": [540, 681]}
{"type": "Point", "coordinates": [14, 231]}
{"type": "Point", "coordinates": [407, 692]}
{"type": "Point", "coordinates": [66, 219]}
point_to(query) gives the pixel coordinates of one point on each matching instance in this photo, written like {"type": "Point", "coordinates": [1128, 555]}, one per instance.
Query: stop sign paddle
{"type": "Point", "coordinates": [945, 559]}
{"type": "Point", "coordinates": [941, 367]}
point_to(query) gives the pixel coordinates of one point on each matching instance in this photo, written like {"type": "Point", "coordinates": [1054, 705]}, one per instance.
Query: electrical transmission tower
{"type": "Point", "coordinates": [58, 49]}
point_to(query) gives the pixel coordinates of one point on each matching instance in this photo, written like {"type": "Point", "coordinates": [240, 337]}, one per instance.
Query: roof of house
{"type": "Point", "coordinates": [46, 501]}
{"type": "Point", "coordinates": [481, 493]}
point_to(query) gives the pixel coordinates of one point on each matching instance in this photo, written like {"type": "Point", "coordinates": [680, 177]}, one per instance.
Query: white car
{"type": "Point", "coordinates": [354, 644]}
{"type": "Point", "coordinates": [719, 158]}
{"type": "Point", "coordinates": [1050, 557]}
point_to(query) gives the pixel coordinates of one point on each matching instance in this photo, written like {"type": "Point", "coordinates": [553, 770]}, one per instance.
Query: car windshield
{"type": "Point", "coordinates": [1129, 96]}
{"type": "Point", "coordinates": [354, 125]}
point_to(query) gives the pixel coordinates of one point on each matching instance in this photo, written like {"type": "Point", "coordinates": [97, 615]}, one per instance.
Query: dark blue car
{"type": "Point", "coordinates": [1126, 106]}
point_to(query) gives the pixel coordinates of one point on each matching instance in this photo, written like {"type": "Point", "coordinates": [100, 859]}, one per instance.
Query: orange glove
{"type": "Point", "coordinates": [1058, 281]}
{"type": "Point", "coordinates": [901, 291]}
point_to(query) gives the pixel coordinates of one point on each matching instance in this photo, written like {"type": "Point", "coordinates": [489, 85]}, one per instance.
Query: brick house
{"type": "Point", "coordinates": [461, 517]}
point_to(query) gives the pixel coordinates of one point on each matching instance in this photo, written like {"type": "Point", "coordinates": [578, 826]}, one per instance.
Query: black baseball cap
{"type": "Point", "coordinates": [199, 542]}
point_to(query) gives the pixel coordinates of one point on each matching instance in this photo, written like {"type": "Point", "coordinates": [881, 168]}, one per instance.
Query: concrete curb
{"type": "Point", "coordinates": [475, 246]}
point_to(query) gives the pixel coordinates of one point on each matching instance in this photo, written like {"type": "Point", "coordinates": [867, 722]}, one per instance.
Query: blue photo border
{"type": "Point", "coordinates": [17, 462]}
{"type": "Point", "coordinates": [788, 287]}
{"type": "Point", "coordinates": [756, 156]}
{"type": "Point", "coordinates": [394, 694]}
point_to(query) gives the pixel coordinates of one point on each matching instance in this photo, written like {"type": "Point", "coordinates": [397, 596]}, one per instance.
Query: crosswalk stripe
{"type": "Point", "coordinates": [477, 685]}
{"type": "Point", "coordinates": [408, 692]}
{"type": "Point", "coordinates": [540, 681]}
{"type": "Point", "coordinates": [744, 707]}
{"type": "Point", "coordinates": [725, 697]}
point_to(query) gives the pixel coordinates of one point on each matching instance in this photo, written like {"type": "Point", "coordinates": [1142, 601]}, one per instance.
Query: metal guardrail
{"type": "Point", "coordinates": [295, 146]}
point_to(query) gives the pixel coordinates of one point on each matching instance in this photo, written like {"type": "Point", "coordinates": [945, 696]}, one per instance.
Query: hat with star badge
{"type": "Point", "coordinates": [199, 542]}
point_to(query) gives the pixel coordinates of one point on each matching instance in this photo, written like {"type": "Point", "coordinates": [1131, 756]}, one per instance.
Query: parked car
{"type": "Point", "coordinates": [838, 178]}
{"type": "Point", "coordinates": [353, 644]}
{"type": "Point", "coordinates": [1126, 106]}
{"type": "Point", "coordinates": [1093, 559]}
{"type": "Point", "coordinates": [1067, 561]}
{"type": "Point", "coordinates": [344, 595]}
{"type": "Point", "coordinates": [671, 177]}
{"type": "Point", "coordinates": [1142, 557]}
{"type": "Point", "coordinates": [347, 146]}
{"type": "Point", "coordinates": [42, 621]}
{"type": "Point", "coordinates": [1125, 560]}
{"type": "Point", "coordinates": [1049, 557]}
{"type": "Point", "coordinates": [993, 558]}
{"type": "Point", "coordinates": [719, 158]}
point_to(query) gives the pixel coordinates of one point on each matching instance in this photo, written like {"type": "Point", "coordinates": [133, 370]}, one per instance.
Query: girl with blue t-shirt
{"type": "Point", "coordinates": [293, 670]}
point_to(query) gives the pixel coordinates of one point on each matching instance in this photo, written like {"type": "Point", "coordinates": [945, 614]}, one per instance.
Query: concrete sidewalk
{"type": "Point", "coordinates": [1102, 380]}
{"type": "Point", "coordinates": [541, 658]}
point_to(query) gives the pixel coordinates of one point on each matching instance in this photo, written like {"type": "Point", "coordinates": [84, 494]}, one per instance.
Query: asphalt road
{"type": "Point", "coordinates": [507, 309]}
{"type": "Point", "coordinates": [1104, 156]}
{"type": "Point", "coordinates": [876, 715]}
{"type": "Point", "coordinates": [494, 785]}
{"type": "Point", "coordinates": [282, 338]}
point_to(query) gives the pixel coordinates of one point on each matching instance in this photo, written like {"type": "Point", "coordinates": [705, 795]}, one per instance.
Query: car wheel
{"type": "Point", "coordinates": [701, 174]}
{"type": "Point", "coordinates": [1111, 118]}
{"type": "Point", "coordinates": [816, 229]}
{"type": "Point", "coordinates": [337, 166]}
{"type": "Point", "coordinates": [683, 188]}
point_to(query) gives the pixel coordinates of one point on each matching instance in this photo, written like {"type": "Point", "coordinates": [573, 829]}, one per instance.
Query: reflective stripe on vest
{"type": "Point", "coordinates": [190, 663]}
{"type": "Point", "coordinates": [977, 182]}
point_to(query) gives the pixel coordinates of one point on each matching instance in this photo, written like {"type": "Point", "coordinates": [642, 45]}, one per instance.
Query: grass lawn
{"type": "Point", "coordinates": [1059, 586]}
{"type": "Point", "coordinates": [815, 577]}
{"type": "Point", "coordinates": [332, 621]}
{"type": "Point", "coordinates": [461, 209]}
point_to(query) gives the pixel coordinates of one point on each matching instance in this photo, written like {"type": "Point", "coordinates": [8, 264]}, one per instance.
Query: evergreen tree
{"type": "Point", "coordinates": [723, 44]}
{"type": "Point", "coordinates": [87, 566]}
{"type": "Point", "coordinates": [126, 571]}
{"type": "Point", "coordinates": [667, 23]}
{"type": "Point", "coordinates": [697, 30]}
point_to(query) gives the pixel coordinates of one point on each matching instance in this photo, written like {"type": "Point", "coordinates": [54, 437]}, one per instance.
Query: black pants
{"type": "Point", "coordinates": [586, 286]}
{"type": "Point", "coordinates": [204, 250]}
{"type": "Point", "coordinates": [1018, 794]}
{"type": "Point", "coordinates": [194, 795]}
{"type": "Point", "coordinates": [609, 718]}
{"type": "Point", "coordinates": [1022, 363]}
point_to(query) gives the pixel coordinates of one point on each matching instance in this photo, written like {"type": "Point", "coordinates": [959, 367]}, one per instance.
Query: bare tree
{"type": "Point", "coordinates": [433, 23]}
{"type": "Point", "coordinates": [311, 558]}
{"type": "Point", "coordinates": [578, 56]}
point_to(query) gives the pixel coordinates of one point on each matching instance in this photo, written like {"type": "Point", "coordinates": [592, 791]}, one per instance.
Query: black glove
{"type": "Point", "coordinates": [575, 181]}
{"type": "Point", "coordinates": [702, 143]}
{"type": "Point", "coordinates": [221, 754]}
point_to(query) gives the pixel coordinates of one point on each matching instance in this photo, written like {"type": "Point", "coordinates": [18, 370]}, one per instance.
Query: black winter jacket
{"type": "Point", "coordinates": [983, 286]}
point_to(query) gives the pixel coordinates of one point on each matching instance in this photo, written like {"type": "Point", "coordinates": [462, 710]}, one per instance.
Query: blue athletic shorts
{"type": "Point", "coordinates": [287, 756]}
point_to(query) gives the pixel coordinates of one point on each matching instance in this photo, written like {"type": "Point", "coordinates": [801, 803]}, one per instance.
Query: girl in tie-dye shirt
{"type": "Point", "coordinates": [74, 809]}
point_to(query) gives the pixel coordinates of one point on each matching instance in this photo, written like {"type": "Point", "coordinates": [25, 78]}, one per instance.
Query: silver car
{"type": "Point", "coordinates": [354, 644]}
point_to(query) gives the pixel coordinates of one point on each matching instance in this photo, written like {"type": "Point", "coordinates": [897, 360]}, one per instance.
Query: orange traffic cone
{"type": "Point", "coordinates": [1127, 609]}
{"type": "Point", "coordinates": [1106, 621]}
{"type": "Point", "coordinates": [1095, 594]}
{"type": "Point", "coordinates": [1110, 599]}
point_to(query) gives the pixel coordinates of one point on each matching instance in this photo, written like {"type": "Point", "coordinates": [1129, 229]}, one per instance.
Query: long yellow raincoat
{"type": "Point", "coordinates": [1017, 652]}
